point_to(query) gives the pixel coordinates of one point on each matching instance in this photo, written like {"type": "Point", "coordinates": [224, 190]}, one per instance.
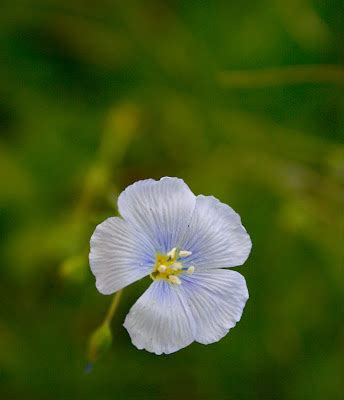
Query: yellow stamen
{"type": "Point", "coordinates": [176, 266]}
{"type": "Point", "coordinates": [184, 253]}
{"type": "Point", "coordinates": [169, 268]}
{"type": "Point", "coordinates": [162, 268]}
{"type": "Point", "coordinates": [174, 279]}
{"type": "Point", "coordinates": [172, 254]}
{"type": "Point", "coordinates": [190, 270]}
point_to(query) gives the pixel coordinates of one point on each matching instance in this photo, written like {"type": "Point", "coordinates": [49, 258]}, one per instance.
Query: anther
{"type": "Point", "coordinates": [162, 268]}
{"type": "Point", "coordinates": [176, 266]}
{"type": "Point", "coordinates": [191, 270]}
{"type": "Point", "coordinates": [172, 253]}
{"type": "Point", "coordinates": [174, 279]}
{"type": "Point", "coordinates": [184, 253]}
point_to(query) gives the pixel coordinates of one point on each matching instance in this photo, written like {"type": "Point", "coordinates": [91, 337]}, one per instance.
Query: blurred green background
{"type": "Point", "coordinates": [243, 101]}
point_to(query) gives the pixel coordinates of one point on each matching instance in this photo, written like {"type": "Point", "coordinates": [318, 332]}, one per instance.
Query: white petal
{"type": "Point", "coordinates": [160, 320]}
{"type": "Point", "coordinates": [215, 236]}
{"type": "Point", "coordinates": [159, 209]}
{"type": "Point", "coordinates": [119, 255]}
{"type": "Point", "coordinates": [216, 299]}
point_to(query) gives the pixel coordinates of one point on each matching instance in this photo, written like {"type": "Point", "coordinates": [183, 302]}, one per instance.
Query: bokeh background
{"type": "Point", "coordinates": [243, 101]}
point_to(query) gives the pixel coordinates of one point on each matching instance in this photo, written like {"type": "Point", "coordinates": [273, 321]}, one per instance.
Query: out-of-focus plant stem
{"type": "Point", "coordinates": [101, 339]}
{"type": "Point", "coordinates": [279, 76]}
{"type": "Point", "coordinates": [120, 126]}
{"type": "Point", "coordinates": [113, 307]}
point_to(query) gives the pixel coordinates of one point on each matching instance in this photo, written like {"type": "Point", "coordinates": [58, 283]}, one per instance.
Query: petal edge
{"type": "Point", "coordinates": [216, 236]}
{"type": "Point", "coordinates": [159, 209]}
{"type": "Point", "coordinates": [160, 321]}
{"type": "Point", "coordinates": [117, 258]}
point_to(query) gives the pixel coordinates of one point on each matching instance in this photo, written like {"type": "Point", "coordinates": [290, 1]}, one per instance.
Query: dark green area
{"type": "Point", "coordinates": [97, 95]}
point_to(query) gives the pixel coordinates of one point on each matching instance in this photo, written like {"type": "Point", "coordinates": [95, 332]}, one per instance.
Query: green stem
{"type": "Point", "coordinates": [113, 307]}
{"type": "Point", "coordinates": [279, 76]}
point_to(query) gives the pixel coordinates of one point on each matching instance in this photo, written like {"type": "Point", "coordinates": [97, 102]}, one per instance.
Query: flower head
{"type": "Point", "coordinates": [183, 242]}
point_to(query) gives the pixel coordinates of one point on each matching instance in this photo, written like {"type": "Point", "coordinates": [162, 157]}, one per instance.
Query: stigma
{"type": "Point", "coordinates": [170, 267]}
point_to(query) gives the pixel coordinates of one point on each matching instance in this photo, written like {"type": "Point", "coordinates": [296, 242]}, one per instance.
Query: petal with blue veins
{"type": "Point", "coordinates": [119, 255]}
{"type": "Point", "coordinates": [168, 317]}
{"type": "Point", "coordinates": [159, 209]}
{"type": "Point", "coordinates": [216, 299]}
{"type": "Point", "coordinates": [160, 321]}
{"type": "Point", "coordinates": [215, 236]}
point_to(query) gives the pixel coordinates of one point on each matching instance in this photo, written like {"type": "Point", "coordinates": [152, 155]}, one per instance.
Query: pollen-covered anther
{"type": "Point", "coordinates": [176, 266]}
{"type": "Point", "coordinates": [184, 253]}
{"type": "Point", "coordinates": [172, 253]}
{"type": "Point", "coordinates": [162, 268]}
{"type": "Point", "coordinates": [169, 266]}
{"type": "Point", "coordinates": [174, 279]}
{"type": "Point", "coordinates": [190, 270]}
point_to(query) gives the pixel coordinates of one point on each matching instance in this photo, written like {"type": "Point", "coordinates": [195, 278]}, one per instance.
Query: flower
{"type": "Point", "coordinates": [182, 242]}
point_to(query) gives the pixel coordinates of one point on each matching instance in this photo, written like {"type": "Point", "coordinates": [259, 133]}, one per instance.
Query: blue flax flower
{"type": "Point", "coordinates": [182, 242]}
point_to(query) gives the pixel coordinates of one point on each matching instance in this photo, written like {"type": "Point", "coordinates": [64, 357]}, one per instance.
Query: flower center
{"type": "Point", "coordinates": [168, 266]}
